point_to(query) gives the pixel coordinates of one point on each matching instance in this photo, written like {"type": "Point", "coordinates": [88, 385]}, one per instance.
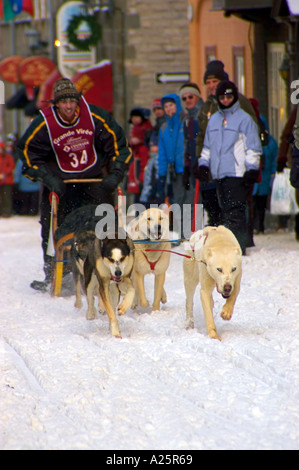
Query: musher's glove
{"type": "Point", "coordinates": [52, 182]}
{"type": "Point", "coordinates": [115, 176]}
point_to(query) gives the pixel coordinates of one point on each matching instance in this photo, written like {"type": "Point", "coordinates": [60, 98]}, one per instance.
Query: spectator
{"type": "Point", "coordinates": [171, 159]}
{"type": "Point", "coordinates": [149, 193]}
{"type": "Point", "coordinates": [231, 152]}
{"type": "Point", "coordinates": [214, 74]}
{"type": "Point", "coordinates": [192, 103]}
{"type": "Point", "coordinates": [26, 201]}
{"type": "Point", "coordinates": [284, 160]}
{"type": "Point", "coordinates": [140, 125]}
{"type": "Point", "coordinates": [7, 165]}
{"type": "Point", "coordinates": [262, 190]}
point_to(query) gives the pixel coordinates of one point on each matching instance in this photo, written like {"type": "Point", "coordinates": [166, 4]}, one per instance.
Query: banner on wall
{"type": "Point", "coordinates": [69, 58]}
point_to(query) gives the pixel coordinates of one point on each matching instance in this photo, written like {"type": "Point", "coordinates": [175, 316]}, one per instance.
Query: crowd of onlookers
{"type": "Point", "coordinates": [221, 145]}
{"type": "Point", "coordinates": [18, 194]}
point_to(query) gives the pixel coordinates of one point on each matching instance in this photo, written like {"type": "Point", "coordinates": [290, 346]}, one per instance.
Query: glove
{"type": "Point", "coordinates": [294, 176]}
{"type": "Point", "coordinates": [186, 177]}
{"type": "Point", "coordinates": [52, 182]}
{"type": "Point", "coordinates": [161, 188]}
{"type": "Point", "coordinates": [281, 164]}
{"type": "Point", "coordinates": [115, 176]}
{"type": "Point", "coordinates": [203, 174]}
{"type": "Point", "coordinates": [251, 177]}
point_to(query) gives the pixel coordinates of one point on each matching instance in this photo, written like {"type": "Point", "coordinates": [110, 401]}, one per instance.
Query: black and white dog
{"type": "Point", "coordinates": [107, 273]}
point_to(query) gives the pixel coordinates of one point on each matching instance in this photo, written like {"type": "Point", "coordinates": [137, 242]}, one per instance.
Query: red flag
{"type": "Point", "coordinates": [1, 9]}
{"type": "Point", "coordinates": [27, 5]}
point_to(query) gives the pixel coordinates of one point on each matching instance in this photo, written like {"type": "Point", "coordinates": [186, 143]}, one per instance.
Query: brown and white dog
{"type": "Point", "coordinates": [216, 261]}
{"type": "Point", "coordinates": [153, 226]}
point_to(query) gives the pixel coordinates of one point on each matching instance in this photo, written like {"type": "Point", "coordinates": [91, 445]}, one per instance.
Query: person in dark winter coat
{"type": "Point", "coordinates": [192, 103]}
{"type": "Point", "coordinates": [262, 189]}
{"type": "Point", "coordinates": [72, 140]}
{"type": "Point", "coordinates": [149, 194]}
{"type": "Point", "coordinates": [231, 153]}
{"type": "Point", "coordinates": [7, 165]}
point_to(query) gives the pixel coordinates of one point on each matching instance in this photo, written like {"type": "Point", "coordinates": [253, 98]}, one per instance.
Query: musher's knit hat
{"type": "Point", "coordinates": [65, 88]}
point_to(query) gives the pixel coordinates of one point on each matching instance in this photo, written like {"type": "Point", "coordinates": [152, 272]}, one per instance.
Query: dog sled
{"type": "Point", "coordinates": [61, 237]}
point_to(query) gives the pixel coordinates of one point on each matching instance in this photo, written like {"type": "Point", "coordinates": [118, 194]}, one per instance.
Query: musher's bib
{"type": "Point", "coordinates": [73, 146]}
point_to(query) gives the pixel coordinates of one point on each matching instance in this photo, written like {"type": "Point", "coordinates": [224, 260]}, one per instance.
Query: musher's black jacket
{"type": "Point", "coordinates": [35, 149]}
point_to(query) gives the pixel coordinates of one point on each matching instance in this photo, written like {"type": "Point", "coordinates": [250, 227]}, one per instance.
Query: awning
{"type": "Point", "coordinates": [250, 10]}
{"type": "Point", "coordinates": [241, 4]}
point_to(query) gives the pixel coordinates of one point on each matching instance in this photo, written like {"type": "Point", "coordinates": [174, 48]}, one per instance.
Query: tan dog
{"type": "Point", "coordinates": [151, 225]}
{"type": "Point", "coordinates": [107, 272]}
{"type": "Point", "coordinates": [218, 263]}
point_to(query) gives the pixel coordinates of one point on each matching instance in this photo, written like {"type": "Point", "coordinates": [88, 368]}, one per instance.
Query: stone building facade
{"type": "Point", "coordinates": [140, 38]}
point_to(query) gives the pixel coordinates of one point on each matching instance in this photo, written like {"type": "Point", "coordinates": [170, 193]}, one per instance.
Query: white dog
{"type": "Point", "coordinates": [152, 226]}
{"type": "Point", "coordinates": [215, 261]}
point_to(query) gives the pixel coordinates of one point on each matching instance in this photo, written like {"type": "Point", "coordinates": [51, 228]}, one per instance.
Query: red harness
{"type": "Point", "coordinates": [152, 263]}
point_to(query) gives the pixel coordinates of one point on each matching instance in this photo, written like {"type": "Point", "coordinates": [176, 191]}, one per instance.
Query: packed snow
{"type": "Point", "coordinates": [66, 383]}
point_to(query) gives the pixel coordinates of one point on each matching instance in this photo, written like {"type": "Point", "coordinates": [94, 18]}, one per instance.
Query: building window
{"type": "Point", "coordinates": [210, 52]}
{"type": "Point", "coordinates": [277, 102]}
{"type": "Point", "coordinates": [239, 68]}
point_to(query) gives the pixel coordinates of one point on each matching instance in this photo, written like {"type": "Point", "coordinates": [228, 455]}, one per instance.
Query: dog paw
{"type": "Point", "coordinates": [156, 306]}
{"type": "Point", "coordinates": [214, 335]}
{"type": "Point", "coordinates": [78, 304]}
{"type": "Point", "coordinates": [226, 314]}
{"type": "Point", "coordinates": [123, 307]}
{"type": "Point", "coordinates": [144, 303]}
{"type": "Point", "coordinates": [91, 314]}
{"type": "Point", "coordinates": [115, 330]}
{"type": "Point", "coordinates": [164, 297]}
{"type": "Point", "coordinates": [189, 324]}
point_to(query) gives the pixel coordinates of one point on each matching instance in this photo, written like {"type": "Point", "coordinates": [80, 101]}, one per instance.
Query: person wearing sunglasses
{"type": "Point", "coordinates": [213, 75]}
{"type": "Point", "coordinates": [231, 154]}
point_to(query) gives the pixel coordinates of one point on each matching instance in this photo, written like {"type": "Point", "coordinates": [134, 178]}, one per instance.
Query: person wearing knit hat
{"type": "Point", "coordinates": [213, 75]}
{"type": "Point", "coordinates": [65, 88]}
{"type": "Point", "coordinates": [231, 154]}
{"type": "Point", "coordinates": [226, 94]}
{"type": "Point", "coordinates": [215, 69]}
{"type": "Point", "coordinates": [156, 103]}
{"type": "Point", "coordinates": [192, 103]}
{"type": "Point", "coordinates": [72, 139]}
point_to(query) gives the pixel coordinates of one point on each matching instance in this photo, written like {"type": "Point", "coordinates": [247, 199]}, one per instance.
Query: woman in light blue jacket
{"type": "Point", "coordinates": [231, 152]}
{"type": "Point", "coordinates": [171, 162]}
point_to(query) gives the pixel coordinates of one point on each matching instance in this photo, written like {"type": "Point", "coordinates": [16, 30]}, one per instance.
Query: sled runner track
{"type": "Point", "coordinates": [192, 393]}
{"type": "Point", "coordinates": [23, 368]}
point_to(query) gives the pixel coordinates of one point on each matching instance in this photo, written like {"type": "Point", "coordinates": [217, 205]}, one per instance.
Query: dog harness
{"type": "Point", "coordinates": [151, 263]}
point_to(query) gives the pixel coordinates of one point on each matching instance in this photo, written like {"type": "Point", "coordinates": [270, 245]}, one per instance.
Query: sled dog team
{"type": "Point", "coordinates": [115, 267]}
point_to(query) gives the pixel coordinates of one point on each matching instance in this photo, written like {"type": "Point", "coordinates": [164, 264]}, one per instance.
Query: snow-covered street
{"type": "Point", "coordinates": [66, 383]}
